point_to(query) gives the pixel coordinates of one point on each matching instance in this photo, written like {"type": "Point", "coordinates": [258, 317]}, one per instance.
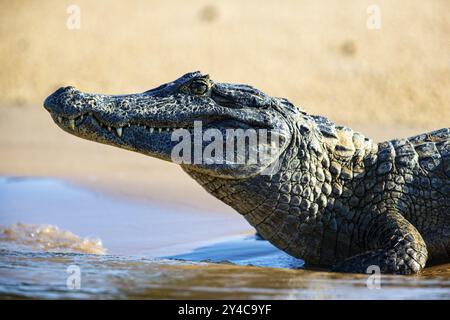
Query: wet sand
{"type": "Point", "coordinates": [164, 236]}
{"type": "Point", "coordinates": [125, 227]}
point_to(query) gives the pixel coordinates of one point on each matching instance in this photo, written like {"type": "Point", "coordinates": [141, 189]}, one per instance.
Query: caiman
{"type": "Point", "coordinates": [336, 200]}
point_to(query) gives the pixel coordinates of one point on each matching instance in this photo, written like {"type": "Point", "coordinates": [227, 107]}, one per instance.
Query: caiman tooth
{"type": "Point", "coordinates": [59, 119]}
{"type": "Point", "coordinates": [72, 124]}
{"type": "Point", "coordinates": [151, 130]}
{"type": "Point", "coordinates": [119, 131]}
{"type": "Point", "coordinates": [109, 128]}
{"type": "Point", "coordinates": [159, 129]}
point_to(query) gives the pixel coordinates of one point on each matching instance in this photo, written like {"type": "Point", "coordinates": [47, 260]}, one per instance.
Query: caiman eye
{"type": "Point", "coordinates": [198, 87]}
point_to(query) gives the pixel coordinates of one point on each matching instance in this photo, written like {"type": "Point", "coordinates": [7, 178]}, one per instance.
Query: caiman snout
{"type": "Point", "coordinates": [64, 101]}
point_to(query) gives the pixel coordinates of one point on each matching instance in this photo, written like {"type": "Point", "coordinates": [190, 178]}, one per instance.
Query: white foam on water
{"type": "Point", "coordinates": [47, 238]}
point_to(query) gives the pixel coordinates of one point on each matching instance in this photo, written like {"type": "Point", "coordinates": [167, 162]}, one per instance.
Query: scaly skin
{"type": "Point", "coordinates": [338, 201]}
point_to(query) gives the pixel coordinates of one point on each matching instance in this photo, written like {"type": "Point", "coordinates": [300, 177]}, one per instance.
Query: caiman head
{"type": "Point", "coordinates": [154, 122]}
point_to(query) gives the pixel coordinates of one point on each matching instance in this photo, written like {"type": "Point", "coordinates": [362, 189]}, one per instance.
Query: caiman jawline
{"type": "Point", "coordinates": [74, 122]}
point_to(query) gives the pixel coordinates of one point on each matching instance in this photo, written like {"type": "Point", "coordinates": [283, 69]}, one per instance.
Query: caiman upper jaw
{"type": "Point", "coordinates": [69, 106]}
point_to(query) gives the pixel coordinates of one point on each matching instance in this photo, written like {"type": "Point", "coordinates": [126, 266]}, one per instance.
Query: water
{"type": "Point", "coordinates": [138, 249]}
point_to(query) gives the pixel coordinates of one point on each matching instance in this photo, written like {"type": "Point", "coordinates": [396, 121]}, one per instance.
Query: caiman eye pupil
{"type": "Point", "coordinates": [198, 87]}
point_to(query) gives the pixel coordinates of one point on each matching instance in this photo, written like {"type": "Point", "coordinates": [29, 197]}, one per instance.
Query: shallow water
{"type": "Point", "coordinates": [137, 249]}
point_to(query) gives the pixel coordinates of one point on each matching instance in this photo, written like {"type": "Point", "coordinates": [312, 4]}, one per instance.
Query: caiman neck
{"type": "Point", "coordinates": [320, 161]}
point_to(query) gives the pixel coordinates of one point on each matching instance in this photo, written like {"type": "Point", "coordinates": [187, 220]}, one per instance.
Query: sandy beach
{"type": "Point", "coordinates": [320, 55]}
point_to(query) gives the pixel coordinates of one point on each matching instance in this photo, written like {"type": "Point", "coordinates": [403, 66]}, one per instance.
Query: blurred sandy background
{"type": "Point", "coordinates": [390, 82]}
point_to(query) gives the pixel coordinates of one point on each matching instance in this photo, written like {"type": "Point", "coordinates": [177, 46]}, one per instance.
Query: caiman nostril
{"type": "Point", "coordinates": [63, 90]}
{"type": "Point", "coordinates": [70, 89]}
